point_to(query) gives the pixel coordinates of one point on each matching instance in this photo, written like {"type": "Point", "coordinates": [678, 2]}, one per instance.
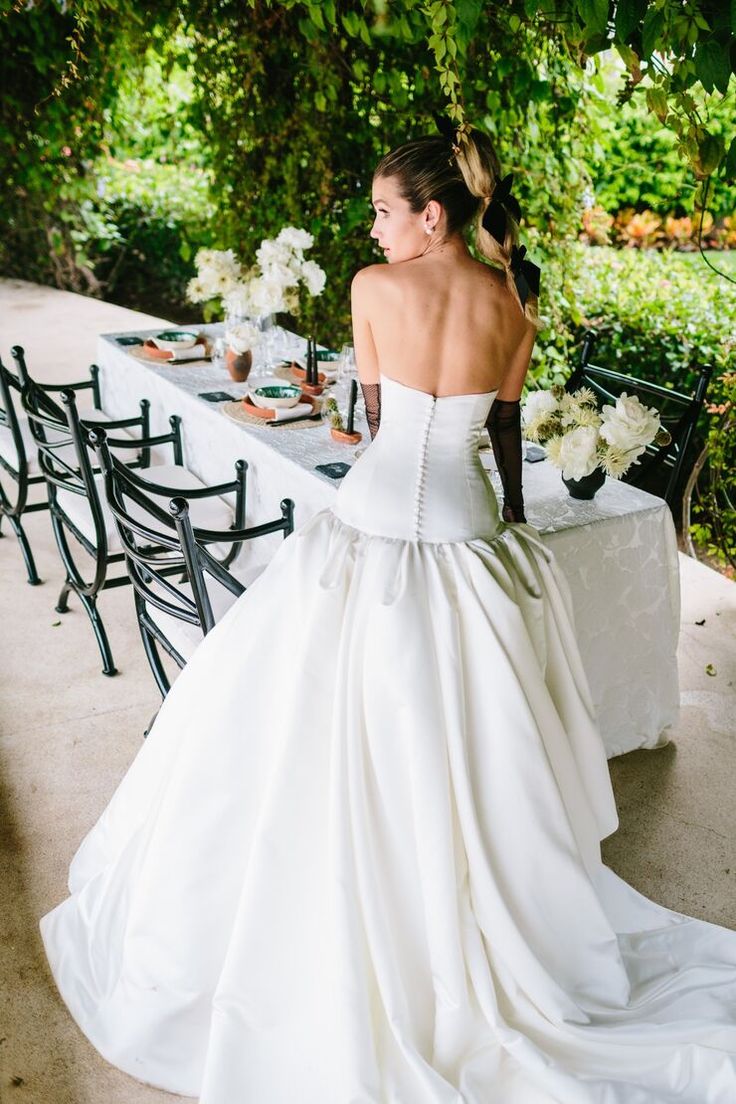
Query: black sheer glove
{"type": "Point", "coordinates": [372, 396]}
{"type": "Point", "coordinates": [504, 428]}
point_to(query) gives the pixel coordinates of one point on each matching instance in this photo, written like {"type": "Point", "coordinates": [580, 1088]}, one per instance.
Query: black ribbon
{"type": "Point", "coordinates": [502, 204]}
{"type": "Point", "coordinates": [526, 274]}
{"type": "Point", "coordinates": [447, 129]}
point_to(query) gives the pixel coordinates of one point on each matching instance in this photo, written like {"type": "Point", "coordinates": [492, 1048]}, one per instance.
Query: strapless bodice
{"type": "Point", "coordinates": [421, 478]}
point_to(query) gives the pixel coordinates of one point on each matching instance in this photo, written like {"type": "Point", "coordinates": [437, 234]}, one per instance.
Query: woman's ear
{"type": "Point", "coordinates": [432, 215]}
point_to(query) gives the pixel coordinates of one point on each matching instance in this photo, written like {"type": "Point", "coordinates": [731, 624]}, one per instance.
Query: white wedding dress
{"type": "Point", "coordinates": [357, 859]}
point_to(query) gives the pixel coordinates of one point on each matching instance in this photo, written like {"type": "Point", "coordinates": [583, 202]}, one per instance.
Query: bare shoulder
{"type": "Point", "coordinates": [367, 281]}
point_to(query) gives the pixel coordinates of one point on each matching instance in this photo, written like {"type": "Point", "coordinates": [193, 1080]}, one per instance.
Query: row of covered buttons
{"type": "Point", "coordinates": [421, 473]}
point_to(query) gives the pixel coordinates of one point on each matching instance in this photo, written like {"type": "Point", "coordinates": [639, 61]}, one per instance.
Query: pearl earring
{"type": "Point", "coordinates": [428, 229]}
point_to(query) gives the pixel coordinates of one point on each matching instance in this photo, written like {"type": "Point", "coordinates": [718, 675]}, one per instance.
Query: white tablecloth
{"type": "Point", "coordinates": [618, 552]}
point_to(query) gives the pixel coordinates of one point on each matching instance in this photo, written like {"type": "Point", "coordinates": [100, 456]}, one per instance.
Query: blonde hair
{"type": "Point", "coordinates": [462, 176]}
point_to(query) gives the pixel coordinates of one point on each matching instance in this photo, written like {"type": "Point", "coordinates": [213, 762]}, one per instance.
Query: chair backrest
{"type": "Point", "coordinates": [151, 543]}
{"type": "Point", "coordinates": [10, 387]}
{"type": "Point", "coordinates": [661, 468]}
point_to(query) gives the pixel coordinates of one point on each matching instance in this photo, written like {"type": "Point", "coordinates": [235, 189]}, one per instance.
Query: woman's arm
{"type": "Point", "coordinates": [362, 292]}
{"type": "Point", "coordinates": [504, 428]}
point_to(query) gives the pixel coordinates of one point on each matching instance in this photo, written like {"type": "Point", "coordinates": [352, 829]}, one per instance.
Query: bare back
{"type": "Point", "coordinates": [444, 324]}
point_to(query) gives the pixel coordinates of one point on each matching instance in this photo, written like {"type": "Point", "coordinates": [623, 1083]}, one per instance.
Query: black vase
{"type": "Point", "coordinates": [587, 486]}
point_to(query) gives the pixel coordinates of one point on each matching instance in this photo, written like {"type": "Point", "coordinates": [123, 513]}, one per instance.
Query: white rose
{"type": "Point", "coordinates": [243, 337]}
{"type": "Point", "coordinates": [577, 455]}
{"type": "Point", "coordinates": [267, 296]}
{"type": "Point", "coordinates": [238, 300]}
{"type": "Point", "coordinates": [314, 277]}
{"type": "Point", "coordinates": [538, 404]}
{"type": "Point", "coordinates": [295, 238]}
{"type": "Point", "coordinates": [629, 425]}
{"type": "Point", "coordinates": [281, 274]}
{"type": "Point", "coordinates": [272, 252]}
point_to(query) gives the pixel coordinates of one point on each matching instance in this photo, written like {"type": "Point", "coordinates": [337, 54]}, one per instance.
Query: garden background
{"type": "Point", "coordinates": [130, 137]}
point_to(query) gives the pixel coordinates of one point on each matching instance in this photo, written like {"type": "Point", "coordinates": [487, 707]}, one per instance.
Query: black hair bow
{"type": "Point", "coordinates": [525, 273]}
{"type": "Point", "coordinates": [502, 203]}
{"type": "Point", "coordinates": [446, 127]}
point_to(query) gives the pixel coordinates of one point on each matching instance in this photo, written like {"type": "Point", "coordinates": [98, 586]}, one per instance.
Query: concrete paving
{"type": "Point", "coordinates": [67, 734]}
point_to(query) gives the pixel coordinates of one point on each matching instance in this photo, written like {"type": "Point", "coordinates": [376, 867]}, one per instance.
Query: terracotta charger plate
{"type": "Point", "coordinates": [268, 412]}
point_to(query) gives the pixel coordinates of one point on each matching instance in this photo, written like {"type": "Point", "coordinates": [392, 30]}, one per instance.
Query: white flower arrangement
{"type": "Point", "coordinates": [272, 285]}
{"type": "Point", "coordinates": [242, 337]}
{"type": "Point", "coordinates": [580, 438]}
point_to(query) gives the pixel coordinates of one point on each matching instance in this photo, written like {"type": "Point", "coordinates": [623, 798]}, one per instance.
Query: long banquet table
{"type": "Point", "coordinates": [618, 551]}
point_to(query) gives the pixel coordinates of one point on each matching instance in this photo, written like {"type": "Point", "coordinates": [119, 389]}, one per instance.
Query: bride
{"type": "Point", "coordinates": [357, 859]}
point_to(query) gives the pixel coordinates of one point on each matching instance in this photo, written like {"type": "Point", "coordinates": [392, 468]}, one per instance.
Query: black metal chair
{"type": "Point", "coordinates": [76, 508]}
{"type": "Point", "coordinates": [20, 465]}
{"type": "Point", "coordinates": [662, 469]}
{"type": "Point", "coordinates": [174, 615]}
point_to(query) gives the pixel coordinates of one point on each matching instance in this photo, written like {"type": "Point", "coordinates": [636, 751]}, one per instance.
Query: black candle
{"type": "Point", "coordinates": [311, 361]}
{"type": "Point", "coordinates": [351, 404]}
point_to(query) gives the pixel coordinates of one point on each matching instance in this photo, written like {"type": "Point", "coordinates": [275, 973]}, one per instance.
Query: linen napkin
{"type": "Point", "coordinates": [284, 413]}
{"type": "Point", "coordinates": [195, 352]}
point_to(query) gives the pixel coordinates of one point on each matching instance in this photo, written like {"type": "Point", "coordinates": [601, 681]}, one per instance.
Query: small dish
{"type": "Point", "coordinates": [276, 395]}
{"type": "Point", "coordinates": [173, 340]}
{"type": "Point", "coordinates": [129, 339]}
{"type": "Point", "coordinates": [328, 354]}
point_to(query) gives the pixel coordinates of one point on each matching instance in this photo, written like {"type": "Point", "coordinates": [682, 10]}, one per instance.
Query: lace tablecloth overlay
{"type": "Point", "coordinates": [618, 552]}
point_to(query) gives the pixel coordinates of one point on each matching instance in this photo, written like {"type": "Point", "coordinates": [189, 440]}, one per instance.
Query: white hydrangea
{"type": "Point", "coordinates": [577, 454]}
{"type": "Point", "coordinates": [295, 238]}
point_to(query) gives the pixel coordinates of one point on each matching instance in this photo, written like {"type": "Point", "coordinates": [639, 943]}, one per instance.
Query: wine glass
{"type": "Point", "coordinates": [346, 367]}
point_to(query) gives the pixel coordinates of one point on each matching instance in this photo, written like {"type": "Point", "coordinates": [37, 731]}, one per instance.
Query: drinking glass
{"type": "Point", "coordinates": [218, 353]}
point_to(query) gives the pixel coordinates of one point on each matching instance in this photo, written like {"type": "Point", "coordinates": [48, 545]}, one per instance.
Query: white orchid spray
{"type": "Point", "coordinates": [273, 284]}
{"type": "Point", "coordinates": [580, 438]}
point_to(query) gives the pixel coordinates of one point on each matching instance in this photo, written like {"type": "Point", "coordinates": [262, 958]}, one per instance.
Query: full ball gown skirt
{"type": "Point", "coordinates": [357, 859]}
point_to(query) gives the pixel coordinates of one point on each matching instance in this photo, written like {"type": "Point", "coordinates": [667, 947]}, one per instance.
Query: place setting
{"type": "Point", "coordinates": [168, 347]}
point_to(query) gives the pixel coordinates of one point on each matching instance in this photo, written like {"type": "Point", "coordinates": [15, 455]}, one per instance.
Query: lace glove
{"type": "Point", "coordinates": [504, 428]}
{"type": "Point", "coordinates": [372, 396]}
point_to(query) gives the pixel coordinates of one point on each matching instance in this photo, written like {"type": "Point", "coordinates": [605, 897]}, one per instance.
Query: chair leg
{"type": "Point", "coordinates": [90, 606]}
{"type": "Point", "coordinates": [62, 605]}
{"type": "Point", "coordinates": [25, 548]}
{"type": "Point", "coordinates": [154, 662]}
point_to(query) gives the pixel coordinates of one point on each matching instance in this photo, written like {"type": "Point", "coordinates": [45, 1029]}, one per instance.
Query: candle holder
{"type": "Point", "coordinates": [346, 438]}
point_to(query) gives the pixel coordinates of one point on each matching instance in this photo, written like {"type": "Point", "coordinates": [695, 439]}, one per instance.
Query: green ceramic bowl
{"type": "Point", "coordinates": [327, 354]}
{"type": "Point", "coordinates": [176, 339]}
{"type": "Point", "coordinates": [276, 395]}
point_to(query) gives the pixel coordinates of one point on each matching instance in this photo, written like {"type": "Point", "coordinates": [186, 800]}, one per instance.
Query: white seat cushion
{"type": "Point", "coordinates": [186, 637]}
{"type": "Point", "coordinates": [8, 450]}
{"type": "Point", "coordinates": [207, 513]}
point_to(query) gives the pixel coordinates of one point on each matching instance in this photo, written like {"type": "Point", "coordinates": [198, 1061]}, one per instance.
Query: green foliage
{"type": "Point", "coordinates": [657, 314]}
{"type": "Point", "coordinates": [714, 501]}
{"type": "Point", "coordinates": [658, 317]}
{"type": "Point", "coordinates": [636, 162]}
